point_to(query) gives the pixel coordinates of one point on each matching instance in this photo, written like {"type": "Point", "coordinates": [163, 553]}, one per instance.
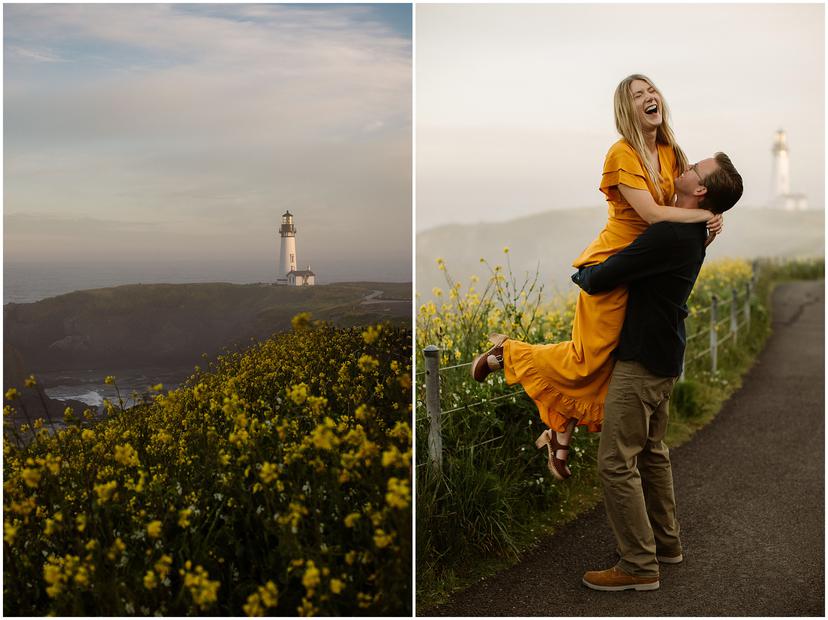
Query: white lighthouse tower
{"type": "Point", "coordinates": [781, 196]}
{"type": "Point", "coordinates": [288, 274]}
{"type": "Point", "coordinates": [287, 251]}
{"type": "Point", "coordinates": [781, 165]}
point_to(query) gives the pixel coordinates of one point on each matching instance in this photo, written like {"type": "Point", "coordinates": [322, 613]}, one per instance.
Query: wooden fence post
{"type": "Point", "coordinates": [747, 304]}
{"type": "Point", "coordinates": [714, 338]}
{"type": "Point", "coordinates": [734, 322]}
{"type": "Point", "coordinates": [432, 387]}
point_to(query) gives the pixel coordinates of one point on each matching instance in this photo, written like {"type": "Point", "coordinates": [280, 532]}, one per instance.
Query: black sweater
{"type": "Point", "coordinates": [660, 267]}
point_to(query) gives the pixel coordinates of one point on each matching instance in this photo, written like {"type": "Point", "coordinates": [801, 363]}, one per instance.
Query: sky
{"type": "Point", "coordinates": [147, 133]}
{"type": "Point", "coordinates": [514, 103]}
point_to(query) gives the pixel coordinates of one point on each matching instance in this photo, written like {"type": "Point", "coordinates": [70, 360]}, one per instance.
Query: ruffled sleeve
{"type": "Point", "coordinates": [622, 166]}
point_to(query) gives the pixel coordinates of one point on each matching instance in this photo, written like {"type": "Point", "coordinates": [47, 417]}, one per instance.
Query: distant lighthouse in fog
{"type": "Point", "coordinates": [288, 273]}
{"type": "Point", "coordinates": [781, 196]}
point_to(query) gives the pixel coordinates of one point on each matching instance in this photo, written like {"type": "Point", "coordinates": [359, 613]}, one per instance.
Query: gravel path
{"type": "Point", "coordinates": [751, 501]}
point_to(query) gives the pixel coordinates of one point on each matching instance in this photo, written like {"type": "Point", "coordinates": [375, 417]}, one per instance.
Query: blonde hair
{"type": "Point", "coordinates": [626, 122]}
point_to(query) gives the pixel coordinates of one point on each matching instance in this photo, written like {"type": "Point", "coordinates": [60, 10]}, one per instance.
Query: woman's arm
{"type": "Point", "coordinates": [652, 212]}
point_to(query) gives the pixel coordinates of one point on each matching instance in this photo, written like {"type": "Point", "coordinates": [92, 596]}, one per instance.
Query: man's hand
{"type": "Point", "coordinates": [715, 224]}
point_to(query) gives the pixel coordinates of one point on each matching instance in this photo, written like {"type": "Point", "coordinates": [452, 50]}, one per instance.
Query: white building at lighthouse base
{"type": "Point", "coordinates": [301, 278]}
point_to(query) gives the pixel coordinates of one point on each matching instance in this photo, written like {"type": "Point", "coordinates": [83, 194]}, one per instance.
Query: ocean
{"type": "Point", "coordinates": [29, 282]}
{"type": "Point", "coordinates": [90, 388]}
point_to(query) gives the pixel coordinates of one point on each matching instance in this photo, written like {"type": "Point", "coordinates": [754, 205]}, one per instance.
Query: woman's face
{"type": "Point", "coordinates": [647, 105]}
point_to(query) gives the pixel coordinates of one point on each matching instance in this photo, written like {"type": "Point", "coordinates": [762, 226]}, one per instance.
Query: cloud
{"type": "Point", "coordinates": [210, 120]}
{"type": "Point", "coordinates": [37, 55]}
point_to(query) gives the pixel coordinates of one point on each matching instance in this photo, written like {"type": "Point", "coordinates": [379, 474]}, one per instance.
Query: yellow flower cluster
{"type": "Point", "coordinates": [264, 598]}
{"type": "Point", "coordinates": [304, 439]}
{"type": "Point", "coordinates": [203, 590]}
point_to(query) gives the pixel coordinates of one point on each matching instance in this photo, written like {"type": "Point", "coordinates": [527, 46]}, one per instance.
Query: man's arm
{"type": "Point", "coordinates": [656, 250]}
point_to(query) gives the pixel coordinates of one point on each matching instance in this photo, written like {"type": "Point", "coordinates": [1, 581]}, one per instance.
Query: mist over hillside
{"type": "Point", "coordinates": [551, 241]}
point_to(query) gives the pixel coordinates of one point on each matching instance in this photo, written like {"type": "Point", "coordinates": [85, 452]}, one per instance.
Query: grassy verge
{"type": "Point", "coordinates": [696, 401]}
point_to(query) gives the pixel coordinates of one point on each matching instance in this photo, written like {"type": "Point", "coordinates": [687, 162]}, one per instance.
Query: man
{"type": "Point", "coordinates": [660, 267]}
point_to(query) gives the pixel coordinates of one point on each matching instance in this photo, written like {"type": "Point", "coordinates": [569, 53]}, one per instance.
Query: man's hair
{"type": "Point", "coordinates": [724, 186]}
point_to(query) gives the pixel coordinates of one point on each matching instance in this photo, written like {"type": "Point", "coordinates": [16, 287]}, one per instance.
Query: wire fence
{"type": "Point", "coordinates": [737, 317]}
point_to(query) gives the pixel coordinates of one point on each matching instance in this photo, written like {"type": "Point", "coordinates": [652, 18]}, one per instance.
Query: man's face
{"type": "Point", "coordinates": [690, 181]}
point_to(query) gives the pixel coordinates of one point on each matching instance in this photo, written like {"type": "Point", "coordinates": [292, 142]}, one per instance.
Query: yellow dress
{"type": "Point", "coordinates": [570, 379]}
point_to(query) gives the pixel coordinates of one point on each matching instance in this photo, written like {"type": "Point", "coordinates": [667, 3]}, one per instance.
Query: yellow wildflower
{"type": "Point", "coordinates": [399, 493]}
{"type": "Point", "coordinates": [12, 394]}
{"type": "Point", "coordinates": [381, 539]}
{"type": "Point", "coordinates": [203, 590]}
{"type": "Point", "coordinates": [367, 363]}
{"type": "Point", "coordinates": [31, 477]}
{"type": "Point", "coordinates": [371, 334]}
{"type": "Point", "coordinates": [162, 566]}
{"type": "Point", "coordinates": [150, 580]}
{"type": "Point", "coordinates": [106, 490]}
{"type": "Point", "coordinates": [269, 472]}
{"type": "Point", "coordinates": [9, 532]}
{"type": "Point", "coordinates": [109, 380]}
{"type": "Point", "coordinates": [351, 519]}
{"type": "Point", "coordinates": [253, 607]}
{"type": "Point", "coordinates": [184, 517]}
{"type": "Point", "coordinates": [269, 594]}
{"type": "Point", "coordinates": [116, 549]}
{"type": "Point", "coordinates": [80, 520]}
{"type": "Point", "coordinates": [82, 576]}
{"type": "Point", "coordinates": [337, 586]}
{"type": "Point", "coordinates": [298, 393]}
{"type": "Point", "coordinates": [154, 529]}
{"type": "Point", "coordinates": [301, 321]}
{"type": "Point", "coordinates": [311, 577]}
{"type": "Point", "coordinates": [265, 597]}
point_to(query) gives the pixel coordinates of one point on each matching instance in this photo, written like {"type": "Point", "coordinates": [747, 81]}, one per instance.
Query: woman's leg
{"type": "Point", "coordinates": [566, 435]}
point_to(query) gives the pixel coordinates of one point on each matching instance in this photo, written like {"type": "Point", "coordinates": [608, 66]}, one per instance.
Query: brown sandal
{"type": "Point", "coordinates": [489, 361]}
{"type": "Point", "coordinates": [557, 466]}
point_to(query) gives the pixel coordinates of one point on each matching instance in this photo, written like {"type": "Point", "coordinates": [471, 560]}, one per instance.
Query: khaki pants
{"type": "Point", "coordinates": [634, 466]}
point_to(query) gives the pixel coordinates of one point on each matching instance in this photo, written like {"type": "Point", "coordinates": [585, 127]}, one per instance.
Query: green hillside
{"type": "Point", "coordinates": [174, 324]}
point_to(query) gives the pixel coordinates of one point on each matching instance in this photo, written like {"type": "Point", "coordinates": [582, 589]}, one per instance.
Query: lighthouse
{"type": "Point", "coordinates": [288, 274]}
{"type": "Point", "coordinates": [781, 165]}
{"type": "Point", "coordinates": [287, 250]}
{"type": "Point", "coordinates": [781, 196]}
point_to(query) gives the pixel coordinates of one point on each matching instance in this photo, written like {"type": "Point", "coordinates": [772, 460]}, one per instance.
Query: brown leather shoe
{"type": "Point", "coordinates": [490, 361]}
{"type": "Point", "coordinates": [614, 579]}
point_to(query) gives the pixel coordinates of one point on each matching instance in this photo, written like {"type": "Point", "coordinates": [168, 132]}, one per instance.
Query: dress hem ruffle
{"type": "Point", "coordinates": [555, 407]}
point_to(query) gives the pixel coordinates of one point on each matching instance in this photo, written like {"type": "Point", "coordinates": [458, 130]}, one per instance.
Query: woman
{"type": "Point", "coordinates": [568, 381]}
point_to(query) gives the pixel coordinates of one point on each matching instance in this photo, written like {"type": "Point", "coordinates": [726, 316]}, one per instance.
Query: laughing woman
{"type": "Point", "coordinates": [568, 381]}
